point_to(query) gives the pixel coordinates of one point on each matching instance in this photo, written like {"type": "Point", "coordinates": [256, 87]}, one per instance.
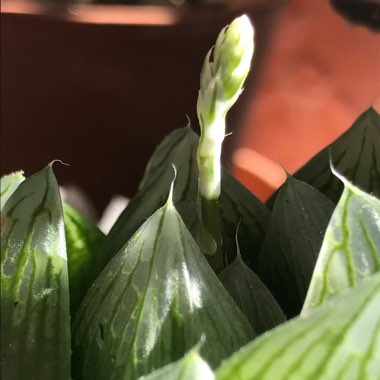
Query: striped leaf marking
{"type": "Point", "coordinates": [239, 207]}
{"type": "Point", "coordinates": [252, 296]}
{"type": "Point", "coordinates": [351, 247]}
{"type": "Point", "coordinates": [339, 340]}
{"type": "Point", "coordinates": [355, 154]}
{"type": "Point", "coordinates": [237, 204]}
{"type": "Point", "coordinates": [35, 319]}
{"type": "Point", "coordinates": [8, 185]}
{"type": "Point", "coordinates": [293, 240]}
{"type": "Point", "coordinates": [152, 303]}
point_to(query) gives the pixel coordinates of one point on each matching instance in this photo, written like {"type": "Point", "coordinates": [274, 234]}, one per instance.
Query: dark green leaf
{"type": "Point", "coordinates": [85, 253]}
{"type": "Point", "coordinates": [339, 340]}
{"type": "Point", "coordinates": [355, 154]}
{"type": "Point", "coordinates": [294, 238]}
{"type": "Point", "coordinates": [178, 149]}
{"type": "Point", "coordinates": [239, 207]}
{"type": "Point", "coordinates": [8, 185]}
{"type": "Point", "coordinates": [191, 367]}
{"type": "Point", "coordinates": [35, 318]}
{"type": "Point", "coordinates": [252, 296]}
{"type": "Point", "coordinates": [351, 247]}
{"type": "Point", "coordinates": [152, 303]}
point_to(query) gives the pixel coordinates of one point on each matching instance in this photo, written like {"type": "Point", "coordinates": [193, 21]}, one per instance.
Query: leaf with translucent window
{"type": "Point", "coordinates": [35, 318]}
{"type": "Point", "coordinates": [152, 303]}
{"type": "Point", "coordinates": [8, 185]}
{"type": "Point", "coordinates": [351, 247]}
{"type": "Point", "coordinates": [338, 340]}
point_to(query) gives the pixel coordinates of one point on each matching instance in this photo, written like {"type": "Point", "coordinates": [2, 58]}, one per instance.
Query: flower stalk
{"type": "Point", "coordinates": [224, 71]}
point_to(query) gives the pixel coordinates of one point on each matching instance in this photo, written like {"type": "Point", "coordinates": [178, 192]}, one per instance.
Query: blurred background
{"type": "Point", "coordinates": [99, 84]}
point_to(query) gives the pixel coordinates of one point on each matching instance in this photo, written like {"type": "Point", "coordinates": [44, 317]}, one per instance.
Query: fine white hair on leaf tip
{"type": "Point", "coordinates": [170, 198]}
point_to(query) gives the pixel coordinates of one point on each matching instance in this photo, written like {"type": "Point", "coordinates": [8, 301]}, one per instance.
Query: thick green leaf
{"type": "Point", "coordinates": [355, 154]}
{"type": "Point", "coordinates": [178, 149]}
{"type": "Point", "coordinates": [252, 296]}
{"type": "Point", "coordinates": [239, 207]}
{"type": "Point", "coordinates": [35, 318]}
{"type": "Point", "coordinates": [294, 237]}
{"type": "Point", "coordinates": [85, 254]}
{"type": "Point", "coordinates": [8, 185]}
{"type": "Point", "coordinates": [351, 247]}
{"type": "Point", "coordinates": [340, 340]}
{"type": "Point", "coordinates": [152, 303]}
{"type": "Point", "coordinates": [191, 367]}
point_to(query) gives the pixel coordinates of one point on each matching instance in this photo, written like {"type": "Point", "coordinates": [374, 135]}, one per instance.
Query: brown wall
{"type": "Point", "coordinates": [101, 95]}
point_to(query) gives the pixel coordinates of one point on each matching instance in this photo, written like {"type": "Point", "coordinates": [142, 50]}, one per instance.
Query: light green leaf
{"type": "Point", "coordinates": [191, 367]}
{"type": "Point", "coordinates": [152, 303]}
{"type": "Point", "coordinates": [294, 237]}
{"type": "Point", "coordinates": [35, 318]}
{"type": "Point", "coordinates": [355, 154]}
{"type": "Point", "coordinates": [8, 185]}
{"type": "Point", "coordinates": [351, 247]}
{"type": "Point", "coordinates": [339, 340]}
{"type": "Point", "coordinates": [252, 296]}
{"type": "Point", "coordinates": [85, 253]}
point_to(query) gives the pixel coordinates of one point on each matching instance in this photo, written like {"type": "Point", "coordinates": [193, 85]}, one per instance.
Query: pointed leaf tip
{"type": "Point", "coordinates": [59, 161]}
{"type": "Point", "coordinates": [252, 296]}
{"type": "Point", "coordinates": [162, 279]}
{"type": "Point", "coordinates": [293, 240]}
{"type": "Point", "coordinates": [169, 202]}
{"type": "Point", "coordinates": [355, 154]}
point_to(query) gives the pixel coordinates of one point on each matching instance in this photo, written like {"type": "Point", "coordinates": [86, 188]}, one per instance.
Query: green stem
{"type": "Point", "coordinates": [211, 220]}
